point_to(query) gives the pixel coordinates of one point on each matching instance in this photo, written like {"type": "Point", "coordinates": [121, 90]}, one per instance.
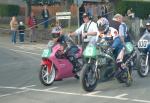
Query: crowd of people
{"type": "Point", "coordinates": [114, 31]}
{"type": "Point", "coordinates": [19, 27]}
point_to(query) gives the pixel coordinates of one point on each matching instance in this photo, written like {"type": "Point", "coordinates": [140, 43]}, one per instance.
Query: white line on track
{"type": "Point", "coordinates": [119, 97]}
{"type": "Point", "coordinates": [142, 101]}
{"type": "Point", "coordinates": [24, 52]}
{"type": "Point", "coordinates": [5, 95]}
{"type": "Point", "coordinates": [50, 88]}
{"type": "Point", "coordinates": [28, 86]}
{"type": "Point", "coordinates": [93, 93]}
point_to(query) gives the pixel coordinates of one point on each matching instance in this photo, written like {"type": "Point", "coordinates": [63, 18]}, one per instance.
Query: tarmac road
{"type": "Point", "coordinates": [19, 82]}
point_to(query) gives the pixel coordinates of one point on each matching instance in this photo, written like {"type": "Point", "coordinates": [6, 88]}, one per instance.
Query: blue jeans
{"type": "Point", "coordinates": [13, 36]}
{"type": "Point", "coordinates": [117, 46]}
{"type": "Point", "coordinates": [46, 22]}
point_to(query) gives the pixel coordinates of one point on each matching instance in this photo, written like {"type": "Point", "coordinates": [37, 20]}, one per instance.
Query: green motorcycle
{"type": "Point", "coordinates": [97, 58]}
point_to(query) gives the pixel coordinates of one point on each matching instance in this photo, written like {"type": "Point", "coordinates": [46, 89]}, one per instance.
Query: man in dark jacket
{"type": "Point", "coordinates": [45, 15]}
{"type": "Point", "coordinates": [21, 29]}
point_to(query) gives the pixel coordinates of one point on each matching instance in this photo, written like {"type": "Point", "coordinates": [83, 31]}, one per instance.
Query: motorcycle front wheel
{"type": "Point", "coordinates": [88, 77]}
{"type": "Point", "coordinates": [47, 78]}
{"type": "Point", "coordinates": [142, 68]}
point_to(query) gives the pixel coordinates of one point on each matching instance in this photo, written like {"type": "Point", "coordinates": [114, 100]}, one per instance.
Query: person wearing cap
{"type": "Point", "coordinates": [21, 29]}
{"type": "Point", "coordinates": [88, 29]}
{"type": "Point", "coordinates": [114, 22]}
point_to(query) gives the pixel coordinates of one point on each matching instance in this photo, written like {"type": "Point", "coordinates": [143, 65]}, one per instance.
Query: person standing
{"type": "Point", "coordinates": [32, 23]}
{"type": "Point", "coordinates": [88, 29]}
{"type": "Point", "coordinates": [45, 15]}
{"type": "Point", "coordinates": [13, 26]}
{"type": "Point", "coordinates": [21, 29]}
{"type": "Point", "coordinates": [81, 11]}
{"type": "Point", "coordinates": [114, 23]}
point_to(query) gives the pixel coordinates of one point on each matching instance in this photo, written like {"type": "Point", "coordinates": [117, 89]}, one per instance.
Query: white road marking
{"type": "Point", "coordinates": [72, 93]}
{"type": "Point", "coordinates": [50, 88]}
{"type": "Point", "coordinates": [121, 95]}
{"type": "Point", "coordinates": [28, 86]}
{"type": "Point", "coordinates": [142, 101]}
{"type": "Point", "coordinates": [31, 47]}
{"type": "Point", "coordinates": [93, 93]}
{"type": "Point", "coordinates": [20, 92]}
{"type": "Point", "coordinates": [24, 52]}
{"type": "Point", "coordinates": [5, 95]}
{"type": "Point", "coordinates": [8, 87]}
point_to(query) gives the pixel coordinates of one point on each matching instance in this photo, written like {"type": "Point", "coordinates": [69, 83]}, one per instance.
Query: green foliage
{"type": "Point", "coordinates": [121, 7]}
{"type": "Point", "coordinates": [141, 9]}
{"type": "Point", "coordinates": [9, 10]}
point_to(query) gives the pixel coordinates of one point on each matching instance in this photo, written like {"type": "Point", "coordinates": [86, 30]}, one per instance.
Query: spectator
{"type": "Point", "coordinates": [88, 29]}
{"type": "Point", "coordinates": [21, 29]}
{"type": "Point", "coordinates": [13, 26]}
{"type": "Point", "coordinates": [90, 10]}
{"type": "Point", "coordinates": [114, 23]}
{"type": "Point", "coordinates": [81, 11]}
{"type": "Point", "coordinates": [56, 31]}
{"type": "Point", "coordinates": [45, 15]}
{"type": "Point", "coordinates": [32, 23]}
{"type": "Point", "coordinates": [99, 11]}
{"type": "Point", "coordinates": [103, 10]}
{"type": "Point", "coordinates": [130, 13]}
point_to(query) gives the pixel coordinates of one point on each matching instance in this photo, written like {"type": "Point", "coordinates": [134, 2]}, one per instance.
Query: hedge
{"type": "Point", "coordinates": [141, 9]}
{"type": "Point", "coordinates": [9, 10]}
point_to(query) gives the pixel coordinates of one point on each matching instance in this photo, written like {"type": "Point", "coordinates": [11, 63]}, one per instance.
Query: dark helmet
{"type": "Point", "coordinates": [103, 24]}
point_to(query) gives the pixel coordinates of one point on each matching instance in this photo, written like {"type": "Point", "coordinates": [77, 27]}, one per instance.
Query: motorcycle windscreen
{"type": "Point", "coordinates": [46, 53]}
{"type": "Point", "coordinates": [90, 51]}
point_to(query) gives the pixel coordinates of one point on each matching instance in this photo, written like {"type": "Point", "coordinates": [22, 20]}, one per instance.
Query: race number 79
{"type": "Point", "coordinates": [142, 43]}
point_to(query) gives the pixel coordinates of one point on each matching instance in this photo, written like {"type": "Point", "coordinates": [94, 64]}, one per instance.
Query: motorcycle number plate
{"type": "Point", "coordinates": [142, 43]}
{"type": "Point", "coordinates": [46, 53]}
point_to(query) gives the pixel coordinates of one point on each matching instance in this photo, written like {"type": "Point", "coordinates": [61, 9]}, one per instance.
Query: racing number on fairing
{"type": "Point", "coordinates": [142, 43]}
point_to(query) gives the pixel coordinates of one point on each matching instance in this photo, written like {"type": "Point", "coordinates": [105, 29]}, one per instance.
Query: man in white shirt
{"type": "Point", "coordinates": [88, 29]}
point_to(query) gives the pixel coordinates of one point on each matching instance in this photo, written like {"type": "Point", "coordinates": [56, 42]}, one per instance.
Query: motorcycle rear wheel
{"type": "Point", "coordinates": [46, 78]}
{"type": "Point", "coordinates": [126, 77]}
{"type": "Point", "coordinates": [88, 78]}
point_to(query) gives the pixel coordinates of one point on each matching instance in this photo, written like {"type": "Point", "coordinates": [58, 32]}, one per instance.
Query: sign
{"type": "Point", "coordinates": [63, 15]}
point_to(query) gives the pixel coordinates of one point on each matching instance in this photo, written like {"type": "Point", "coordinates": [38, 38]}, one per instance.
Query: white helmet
{"type": "Point", "coordinates": [103, 24]}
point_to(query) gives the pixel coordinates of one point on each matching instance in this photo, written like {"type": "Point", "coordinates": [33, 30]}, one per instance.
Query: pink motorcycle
{"type": "Point", "coordinates": [55, 67]}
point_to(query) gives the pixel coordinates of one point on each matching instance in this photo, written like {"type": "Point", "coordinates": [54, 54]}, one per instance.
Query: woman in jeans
{"type": "Point", "coordinates": [13, 26]}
